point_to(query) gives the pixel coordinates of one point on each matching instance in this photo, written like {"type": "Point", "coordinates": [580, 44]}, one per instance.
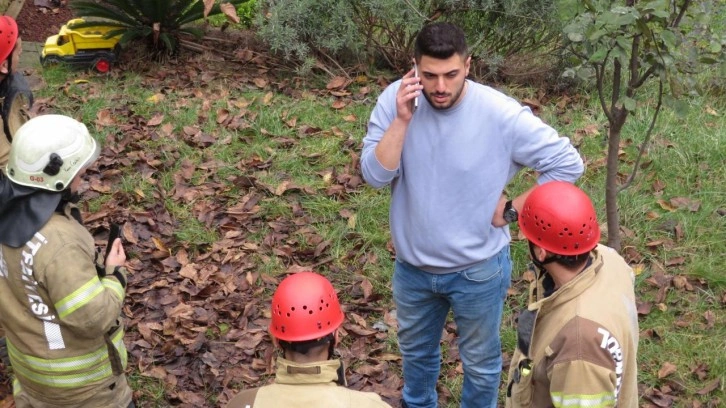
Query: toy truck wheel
{"type": "Point", "coordinates": [102, 65]}
{"type": "Point", "coordinates": [50, 60]}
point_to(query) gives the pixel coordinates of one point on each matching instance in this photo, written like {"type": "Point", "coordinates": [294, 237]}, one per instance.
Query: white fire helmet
{"type": "Point", "coordinates": [48, 151]}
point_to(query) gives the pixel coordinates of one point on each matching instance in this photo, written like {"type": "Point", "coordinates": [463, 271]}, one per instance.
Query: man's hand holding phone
{"type": "Point", "coordinates": [415, 74]}
{"type": "Point", "coordinates": [408, 93]}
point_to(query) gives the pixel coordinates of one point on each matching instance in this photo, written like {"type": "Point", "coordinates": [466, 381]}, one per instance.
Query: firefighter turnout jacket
{"type": "Point", "coordinates": [577, 347]}
{"type": "Point", "coordinates": [16, 100]}
{"type": "Point", "coordinates": [315, 384]}
{"type": "Point", "coordinates": [62, 319]}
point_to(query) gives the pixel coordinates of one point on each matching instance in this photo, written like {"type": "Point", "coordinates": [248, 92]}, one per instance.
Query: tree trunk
{"type": "Point", "coordinates": [611, 181]}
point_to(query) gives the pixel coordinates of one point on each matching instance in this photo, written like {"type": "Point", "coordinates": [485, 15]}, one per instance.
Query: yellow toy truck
{"type": "Point", "coordinates": [82, 47]}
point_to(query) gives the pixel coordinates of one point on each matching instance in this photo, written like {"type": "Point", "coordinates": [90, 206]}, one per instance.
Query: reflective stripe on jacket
{"type": "Point", "coordinates": [62, 322]}
{"type": "Point", "coordinates": [69, 372]}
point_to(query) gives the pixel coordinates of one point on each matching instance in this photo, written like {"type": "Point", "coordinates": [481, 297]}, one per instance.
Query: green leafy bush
{"type": "Point", "coordinates": [160, 22]}
{"type": "Point", "coordinates": [246, 13]}
{"type": "Point", "coordinates": [381, 32]}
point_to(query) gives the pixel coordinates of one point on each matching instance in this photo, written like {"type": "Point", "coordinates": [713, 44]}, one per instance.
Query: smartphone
{"type": "Point", "coordinates": [415, 74]}
{"type": "Point", "coordinates": [115, 232]}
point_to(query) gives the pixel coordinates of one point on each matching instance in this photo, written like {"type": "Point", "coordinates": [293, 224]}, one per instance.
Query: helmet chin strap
{"type": "Point", "coordinates": [540, 264]}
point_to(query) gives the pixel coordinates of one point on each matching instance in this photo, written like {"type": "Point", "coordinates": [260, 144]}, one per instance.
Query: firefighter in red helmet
{"type": "Point", "coordinates": [578, 338]}
{"type": "Point", "coordinates": [306, 316]}
{"type": "Point", "coordinates": [15, 102]}
{"type": "Point", "coordinates": [15, 95]}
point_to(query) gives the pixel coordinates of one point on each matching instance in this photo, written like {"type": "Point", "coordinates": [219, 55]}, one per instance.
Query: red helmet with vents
{"type": "Point", "coordinates": [8, 36]}
{"type": "Point", "coordinates": [305, 307]}
{"type": "Point", "coordinates": [560, 218]}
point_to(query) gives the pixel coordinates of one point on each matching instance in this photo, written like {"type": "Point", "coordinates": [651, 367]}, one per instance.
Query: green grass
{"type": "Point", "coordinates": [687, 157]}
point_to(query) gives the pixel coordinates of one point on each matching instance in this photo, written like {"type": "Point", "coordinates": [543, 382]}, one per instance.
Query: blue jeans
{"type": "Point", "coordinates": [476, 296]}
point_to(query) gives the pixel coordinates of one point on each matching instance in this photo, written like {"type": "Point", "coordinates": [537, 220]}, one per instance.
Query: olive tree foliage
{"type": "Point", "coordinates": [625, 44]}
{"type": "Point", "coordinates": [342, 35]}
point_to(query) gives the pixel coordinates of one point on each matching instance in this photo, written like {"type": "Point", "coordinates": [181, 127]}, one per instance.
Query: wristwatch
{"type": "Point", "coordinates": [510, 213]}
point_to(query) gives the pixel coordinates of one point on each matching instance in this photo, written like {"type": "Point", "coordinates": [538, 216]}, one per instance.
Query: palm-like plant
{"type": "Point", "coordinates": [159, 21]}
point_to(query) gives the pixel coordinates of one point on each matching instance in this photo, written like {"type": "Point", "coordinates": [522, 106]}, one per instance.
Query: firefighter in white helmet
{"type": "Point", "coordinates": [61, 312]}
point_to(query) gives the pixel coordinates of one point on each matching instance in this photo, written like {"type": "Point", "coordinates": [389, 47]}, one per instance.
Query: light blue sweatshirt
{"type": "Point", "coordinates": [454, 167]}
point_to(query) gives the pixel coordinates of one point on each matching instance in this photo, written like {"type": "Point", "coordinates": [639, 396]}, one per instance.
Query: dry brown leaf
{"type": "Point", "coordinates": [667, 369]}
{"type": "Point", "coordinates": [208, 4]}
{"type": "Point", "coordinates": [709, 387]}
{"type": "Point", "coordinates": [260, 82]}
{"type": "Point", "coordinates": [644, 308]}
{"type": "Point", "coordinates": [159, 244]}
{"type": "Point", "coordinates": [282, 187]}
{"type": "Point", "coordinates": [230, 11]}
{"type": "Point", "coordinates": [658, 185]}
{"type": "Point", "coordinates": [700, 371]}
{"type": "Point", "coordinates": [367, 288]}
{"type": "Point", "coordinates": [222, 115]}
{"type": "Point", "coordinates": [652, 215]}
{"type": "Point", "coordinates": [167, 129]}
{"type": "Point", "coordinates": [681, 282]}
{"type": "Point", "coordinates": [679, 260]}
{"type": "Point", "coordinates": [666, 206]}
{"type": "Point", "coordinates": [339, 104]}
{"type": "Point", "coordinates": [337, 83]}
{"type": "Point", "coordinates": [104, 118]}
{"type": "Point", "coordinates": [156, 120]}
{"type": "Point", "coordinates": [710, 317]}
{"type": "Point", "coordinates": [711, 111]}
{"type": "Point", "coordinates": [685, 203]}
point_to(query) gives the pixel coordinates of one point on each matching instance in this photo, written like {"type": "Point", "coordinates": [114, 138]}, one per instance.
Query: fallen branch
{"type": "Point", "coordinates": [203, 48]}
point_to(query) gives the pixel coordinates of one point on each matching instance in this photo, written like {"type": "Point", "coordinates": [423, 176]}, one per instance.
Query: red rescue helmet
{"type": "Point", "coordinates": [8, 36]}
{"type": "Point", "coordinates": [305, 307]}
{"type": "Point", "coordinates": [560, 218]}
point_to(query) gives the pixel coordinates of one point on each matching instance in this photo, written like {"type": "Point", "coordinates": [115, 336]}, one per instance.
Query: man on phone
{"type": "Point", "coordinates": [448, 164]}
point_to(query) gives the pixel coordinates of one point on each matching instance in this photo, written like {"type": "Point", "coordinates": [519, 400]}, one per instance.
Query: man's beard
{"type": "Point", "coordinates": [452, 101]}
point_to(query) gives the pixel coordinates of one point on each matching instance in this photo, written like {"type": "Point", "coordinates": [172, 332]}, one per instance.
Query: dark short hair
{"type": "Point", "coordinates": [440, 40]}
{"type": "Point", "coordinates": [304, 347]}
{"type": "Point", "coordinates": [572, 261]}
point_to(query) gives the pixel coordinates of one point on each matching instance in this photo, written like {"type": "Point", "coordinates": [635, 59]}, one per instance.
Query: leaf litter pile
{"type": "Point", "coordinates": [197, 315]}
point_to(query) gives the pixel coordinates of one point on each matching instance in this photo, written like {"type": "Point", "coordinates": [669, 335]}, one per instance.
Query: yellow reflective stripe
{"type": "Point", "coordinates": [115, 286]}
{"type": "Point", "coordinates": [79, 297]}
{"type": "Point", "coordinates": [58, 365]}
{"type": "Point", "coordinates": [68, 380]}
{"type": "Point", "coordinates": [17, 388]}
{"type": "Point", "coordinates": [118, 342]}
{"type": "Point", "coordinates": [603, 400]}
{"type": "Point", "coordinates": [63, 372]}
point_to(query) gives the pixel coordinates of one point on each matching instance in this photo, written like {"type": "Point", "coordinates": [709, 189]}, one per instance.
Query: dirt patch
{"type": "Point", "coordinates": [38, 23]}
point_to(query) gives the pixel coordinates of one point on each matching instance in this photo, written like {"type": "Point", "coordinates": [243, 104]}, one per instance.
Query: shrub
{"type": "Point", "coordinates": [381, 32]}
{"type": "Point", "coordinates": [246, 13]}
{"type": "Point", "coordinates": [160, 22]}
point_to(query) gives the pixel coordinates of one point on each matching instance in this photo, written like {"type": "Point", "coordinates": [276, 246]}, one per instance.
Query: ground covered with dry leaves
{"type": "Point", "coordinates": [197, 317]}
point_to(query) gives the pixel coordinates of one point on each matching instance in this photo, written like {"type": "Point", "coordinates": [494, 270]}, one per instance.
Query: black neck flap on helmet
{"type": "Point", "coordinates": [23, 211]}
